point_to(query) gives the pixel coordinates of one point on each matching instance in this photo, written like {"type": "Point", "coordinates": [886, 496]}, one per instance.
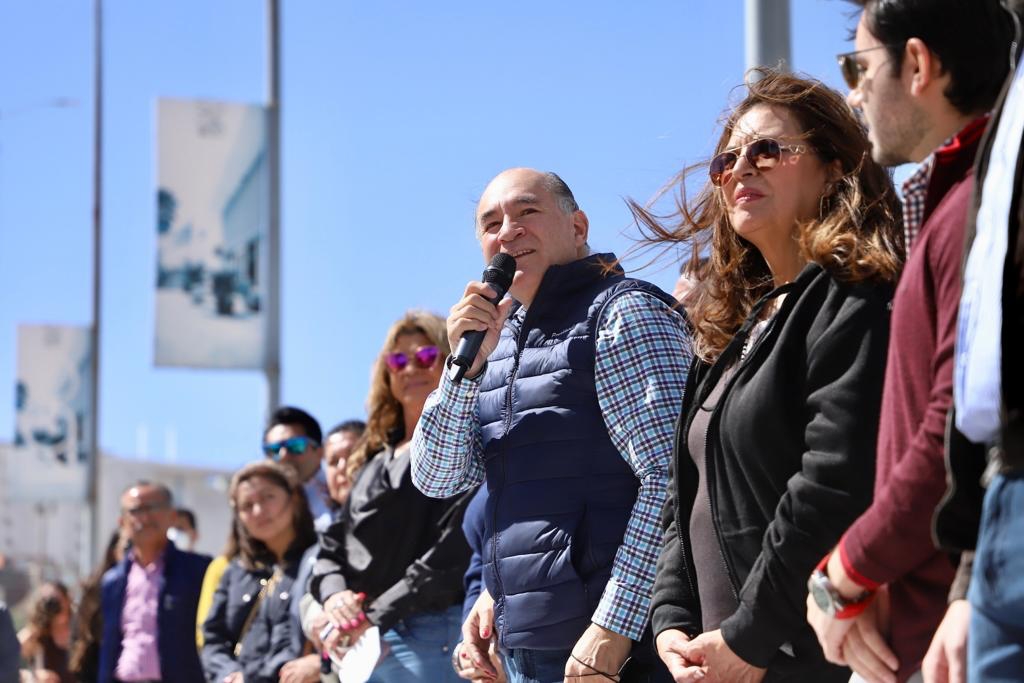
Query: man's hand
{"type": "Point", "coordinates": [302, 670]}
{"type": "Point", "coordinates": [720, 663]}
{"type": "Point", "coordinates": [946, 661]}
{"type": "Point", "coordinates": [831, 632]}
{"type": "Point", "coordinates": [598, 649]}
{"type": "Point", "coordinates": [474, 312]}
{"type": "Point", "coordinates": [865, 649]}
{"type": "Point", "coordinates": [234, 677]}
{"type": "Point", "coordinates": [670, 648]}
{"type": "Point", "coordinates": [474, 650]}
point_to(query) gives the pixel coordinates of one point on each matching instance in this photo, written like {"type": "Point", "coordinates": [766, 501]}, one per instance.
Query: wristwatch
{"type": "Point", "coordinates": [830, 601]}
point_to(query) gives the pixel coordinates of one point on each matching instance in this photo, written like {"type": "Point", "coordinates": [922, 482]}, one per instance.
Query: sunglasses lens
{"type": "Point", "coordinates": [427, 356]}
{"type": "Point", "coordinates": [397, 361]}
{"type": "Point", "coordinates": [296, 446]}
{"type": "Point", "coordinates": [720, 166]}
{"type": "Point", "coordinates": [764, 154]}
{"type": "Point", "coordinates": [848, 67]}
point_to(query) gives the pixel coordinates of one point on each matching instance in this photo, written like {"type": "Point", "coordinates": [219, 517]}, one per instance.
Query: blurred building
{"type": "Point", "coordinates": [41, 541]}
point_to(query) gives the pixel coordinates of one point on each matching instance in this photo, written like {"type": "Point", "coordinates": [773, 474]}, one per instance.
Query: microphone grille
{"type": "Point", "coordinates": [502, 267]}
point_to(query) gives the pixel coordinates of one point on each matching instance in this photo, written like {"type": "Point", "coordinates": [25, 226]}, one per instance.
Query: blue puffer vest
{"type": "Point", "coordinates": [560, 493]}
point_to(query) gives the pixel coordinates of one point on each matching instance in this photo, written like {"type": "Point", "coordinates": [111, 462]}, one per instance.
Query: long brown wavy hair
{"type": "Point", "coordinates": [857, 236]}
{"type": "Point", "coordinates": [253, 554]}
{"type": "Point", "coordinates": [385, 424]}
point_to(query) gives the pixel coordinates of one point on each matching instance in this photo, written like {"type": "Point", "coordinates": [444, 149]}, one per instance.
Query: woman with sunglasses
{"type": "Point", "coordinates": [775, 448]}
{"type": "Point", "coordinates": [250, 634]}
{"type": "Point", "coordinates": [395, 558]}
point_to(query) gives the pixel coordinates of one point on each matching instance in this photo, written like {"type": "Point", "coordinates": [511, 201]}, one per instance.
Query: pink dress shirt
{"type": "Point", "coordinates": [139, 660]}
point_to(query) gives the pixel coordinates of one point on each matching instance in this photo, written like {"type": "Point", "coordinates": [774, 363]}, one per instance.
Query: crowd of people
{"type": "Point", "coordinates": [807, 464]}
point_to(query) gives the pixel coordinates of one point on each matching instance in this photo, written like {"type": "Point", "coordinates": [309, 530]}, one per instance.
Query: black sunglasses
{"type": "Point", "coordinates": [763, 154]}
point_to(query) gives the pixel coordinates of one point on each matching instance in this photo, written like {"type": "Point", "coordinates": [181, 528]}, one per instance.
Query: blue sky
{"type": "Point", "coordinates": [395, 116]}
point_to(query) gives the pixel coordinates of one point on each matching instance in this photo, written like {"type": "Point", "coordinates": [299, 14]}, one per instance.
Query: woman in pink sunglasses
{"type": "Point", "coordinates": [394, 558]}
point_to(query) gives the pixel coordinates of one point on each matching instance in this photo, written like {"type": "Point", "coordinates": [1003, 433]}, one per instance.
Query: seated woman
{"type": "Point", "coordinates": [775, 450]}
{"type": "Point", "coordinates": [395, 558]}
{"type": "Point", "coordinates": [249, 634]}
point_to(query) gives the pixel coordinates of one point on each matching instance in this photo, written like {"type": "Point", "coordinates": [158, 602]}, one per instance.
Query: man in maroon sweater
{"type": "Point", "coordinates": [924, 74]}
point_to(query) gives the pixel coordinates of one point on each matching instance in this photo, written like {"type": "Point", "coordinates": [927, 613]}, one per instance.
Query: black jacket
{"type": "Point", "coordinates": [790, 462]}
{"type": "Point", "coordinates": [269, 643]}
{"type": "Point", "coordinates": [404, 550]}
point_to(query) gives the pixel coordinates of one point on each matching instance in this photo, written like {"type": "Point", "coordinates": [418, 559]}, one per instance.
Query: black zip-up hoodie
{"type": "Point", "coordinates": [790, 464]}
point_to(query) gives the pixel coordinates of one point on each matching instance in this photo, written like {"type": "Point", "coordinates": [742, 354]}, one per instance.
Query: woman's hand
{"type": "Point", "coordinates": [315, 627]}
{"type": "Point", "coordinates": [476, 636]}
{"type": "Point", "coordinates": [234, 677]}
{"type": "Point", "coordinates": [719, 661]}
{"type": "Point", "coordinates": [302, 670]}
{"type": "Point", "coordinates": [671, 644]}
{"type": "Point", "coordinates": [345, 610]}
{"type": "Point", "coordinates": [466, 670]}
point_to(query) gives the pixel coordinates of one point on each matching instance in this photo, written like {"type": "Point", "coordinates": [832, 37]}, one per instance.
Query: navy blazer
{"type": "Point", "coordinates": [176, 616]}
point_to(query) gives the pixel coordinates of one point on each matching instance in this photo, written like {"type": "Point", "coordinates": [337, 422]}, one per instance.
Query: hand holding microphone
{"type": "Point", "coordinates": [474, 323]}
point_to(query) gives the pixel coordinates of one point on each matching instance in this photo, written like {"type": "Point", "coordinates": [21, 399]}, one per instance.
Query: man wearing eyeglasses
{"type": "Point", "coordinates": [293, 438]}
{"type": "Point", "coordinates": [923, 75]}
{"type": "Point", "coordinates": [568, 413]}
{"type": "Point", "coordinates": [149, 599]}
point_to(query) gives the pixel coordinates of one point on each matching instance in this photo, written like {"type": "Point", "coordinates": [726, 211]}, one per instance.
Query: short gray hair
{"type": "Point", "coordinates": [563, 195]}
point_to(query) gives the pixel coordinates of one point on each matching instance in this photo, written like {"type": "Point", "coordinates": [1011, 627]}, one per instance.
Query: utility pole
{"type": "Point", "coordinates": [92, 486]}
{"type": "Point", "coordinates": [767, 34]}
{"type": "Point", "coordinates": [273, 350]}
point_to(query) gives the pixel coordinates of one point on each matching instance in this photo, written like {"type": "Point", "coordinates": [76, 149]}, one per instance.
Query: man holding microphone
{"type": "Point", "coordinates": [567, 412]}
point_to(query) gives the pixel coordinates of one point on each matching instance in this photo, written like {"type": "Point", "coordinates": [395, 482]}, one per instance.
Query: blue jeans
{"type": "Point", "coordinates": [548, 666]}
{"type": "Point", "coordinates": [420, 649]}
{"type": "Point", "coordinates": [996, 642]}
{"type": "Point", "coordinates": [535, 666]}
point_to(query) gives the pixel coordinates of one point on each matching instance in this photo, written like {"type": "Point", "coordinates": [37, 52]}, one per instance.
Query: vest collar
{"type": "Point", "coordinates": [563, 281]}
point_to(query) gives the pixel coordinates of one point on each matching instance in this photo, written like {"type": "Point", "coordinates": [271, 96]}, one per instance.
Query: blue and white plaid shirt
{"type": "Point", "coordinates": [642, 360]}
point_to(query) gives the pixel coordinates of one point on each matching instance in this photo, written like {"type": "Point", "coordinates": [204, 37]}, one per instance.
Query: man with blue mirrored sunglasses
{"type": "Point", "coordinates": [293, 439]}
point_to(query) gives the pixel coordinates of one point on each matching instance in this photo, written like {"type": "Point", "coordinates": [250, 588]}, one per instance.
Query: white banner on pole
{"type": "Point", "coordinates": [53, 414]}
{"type": "Point", "coordinates": [212, 213]}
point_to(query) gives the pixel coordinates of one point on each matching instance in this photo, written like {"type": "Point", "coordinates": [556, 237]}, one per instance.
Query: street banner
{"type": "Point", "coordinates": [211, 223]}
{"type": "Point", "coordinates": [54, 416]}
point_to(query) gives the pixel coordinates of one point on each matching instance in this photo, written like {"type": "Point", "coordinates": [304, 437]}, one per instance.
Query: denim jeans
{"type": "Point", "coordinates": [996, 642]}
{"type": "Point", "coordinates": [420, 649]}
{"type": "Point", "coordinates": [548, 666]}
{"type": "Point", "coordinates": [535, 666]}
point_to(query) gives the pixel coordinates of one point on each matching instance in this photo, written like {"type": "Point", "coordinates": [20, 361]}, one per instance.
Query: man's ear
{"type": "Point", "coordinates": [581, 227]}
{"type": "Point", "coordinates": [921, 65]}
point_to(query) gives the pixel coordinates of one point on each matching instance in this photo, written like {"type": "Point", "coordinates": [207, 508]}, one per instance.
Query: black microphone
{"type": "Point", "coordinates": [499, 276]}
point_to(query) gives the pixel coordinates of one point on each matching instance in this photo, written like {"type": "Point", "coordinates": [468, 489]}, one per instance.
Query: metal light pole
{"type": "Point", "coordinates": [273, 360]}
{"type": "Point", "coordinates": [92, 488]}
{"type": "Point", "coordinates": [767, 34]}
